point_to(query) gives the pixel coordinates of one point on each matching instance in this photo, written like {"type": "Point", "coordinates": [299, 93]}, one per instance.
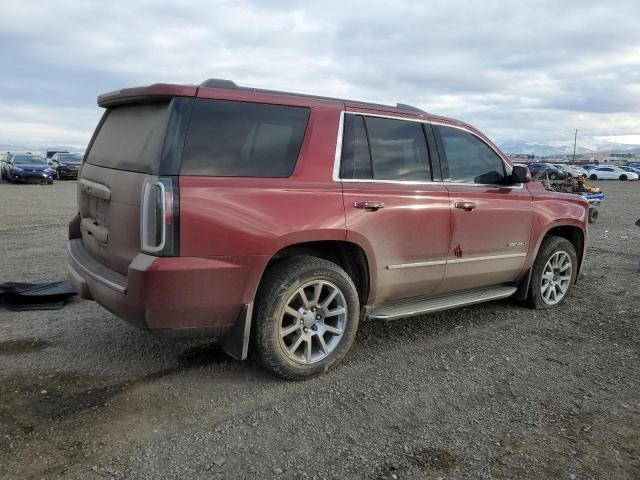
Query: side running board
{"type": "Point", "coordinates": [411, 307]}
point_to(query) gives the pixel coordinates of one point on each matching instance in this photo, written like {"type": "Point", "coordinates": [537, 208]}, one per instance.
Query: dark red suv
{"type": "Point", "coordinates": [277, 221]}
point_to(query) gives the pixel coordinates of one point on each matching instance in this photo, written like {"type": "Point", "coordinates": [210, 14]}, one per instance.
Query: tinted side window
{"type": "Point", "coordinates": [243, 139]}
{"type": "Point", "coordinates": [356, 161]}
{"type": "Point", "coordinates": [398, 150]}
{"type": "Point", "coordinates": [469, 159]}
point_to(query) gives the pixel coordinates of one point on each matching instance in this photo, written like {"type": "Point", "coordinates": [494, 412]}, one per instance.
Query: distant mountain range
{"type": "Point", "coordinates": [545, 150]}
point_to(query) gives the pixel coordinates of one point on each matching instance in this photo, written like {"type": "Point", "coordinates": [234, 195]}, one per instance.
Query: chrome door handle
{"type": "Point", "coordinates": [466, 206]}
{"type": "Point", "coordinates": [371, 206]}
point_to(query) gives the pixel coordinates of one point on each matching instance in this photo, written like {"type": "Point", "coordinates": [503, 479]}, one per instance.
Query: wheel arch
{"type": "Point", "coordinates": [573, 233]}
{"type": "Point", "coordinates": [349, 256]}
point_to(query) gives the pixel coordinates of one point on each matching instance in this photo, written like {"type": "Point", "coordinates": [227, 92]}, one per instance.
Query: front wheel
{"type": "Point", "coordinates": [306, 318]}
{"type": "Point", "coordinates": [553, 176]}
{"type": "Point", "coordinates": [554, 273]}
{"type": "Point", "coordinates": [623, 177]}
{"type": "Point", "coordinates": [593, 176]}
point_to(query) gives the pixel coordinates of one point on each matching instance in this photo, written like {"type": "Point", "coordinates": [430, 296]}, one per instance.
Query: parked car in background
{"type": "Point", "coordinates": [241, 213]}
{"type": "Point", "coordinates": [25, 168]}
{"type": "Point", "coordinates": [51, 152]}
{"type": "Point", "coordinates": [568, 169]}
{"type": "Point", "coordinates": [579, 170]}
{"type": "Point", "coordinates": [4, 170]}
{"type": "Point", "coordinates": [554, 173]}
{"type": "Point", "coordinates": [66, 165]}
{"type": "Point", "coordinates": [611, 173]}
{"type": "Point", "coordinates": [634, 164]}
{"type": "Point", "coordinates": [631, 169]}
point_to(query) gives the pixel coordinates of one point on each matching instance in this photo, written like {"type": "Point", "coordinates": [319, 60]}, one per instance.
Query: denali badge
{"type": "Point", "coordinates": [517, 244]}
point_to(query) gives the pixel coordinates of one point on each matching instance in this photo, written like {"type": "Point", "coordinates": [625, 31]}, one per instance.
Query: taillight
{"type": "Point", "coordinates": [159, 217]}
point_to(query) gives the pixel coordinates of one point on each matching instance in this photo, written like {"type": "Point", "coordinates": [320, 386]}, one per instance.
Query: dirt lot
{"type": "Point", "coordinates": [493, 391]}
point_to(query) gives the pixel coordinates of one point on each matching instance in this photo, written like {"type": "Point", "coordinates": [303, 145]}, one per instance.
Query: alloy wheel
{"type": "Point", "coordinates": [312, 322]}
{"type": "Point", "coordinates": [556, 278]}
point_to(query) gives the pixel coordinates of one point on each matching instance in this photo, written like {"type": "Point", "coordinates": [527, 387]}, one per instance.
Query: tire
{"type": "Point", "coordinates": [593, 215]}
{"type": "Point", "coordinates": [623, 178]}
{"type": "Point", "coordinates": [553, 176]}
{"type": "Point", "coordinates": [593, 176]}
{"type": "Point", "coordinates": [552, 247]}
{"type": "Point", "coordinates": [291, 356]}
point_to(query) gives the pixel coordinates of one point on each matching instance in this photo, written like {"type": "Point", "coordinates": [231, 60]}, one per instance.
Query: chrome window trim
{"type": "Point", "coordinates": [455, 260]}
{"type": "Point", "coordinates": [338, 155]}
{"type": "Point", "coordinates": [337, 159]}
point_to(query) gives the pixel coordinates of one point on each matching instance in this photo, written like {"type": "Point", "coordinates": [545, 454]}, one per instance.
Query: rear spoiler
{"type": "Point", "coordinates": [150, 94]}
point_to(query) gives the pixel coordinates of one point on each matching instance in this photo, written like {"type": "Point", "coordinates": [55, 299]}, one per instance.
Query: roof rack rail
{"type": "Point", "coordinates": [404, 106]}
{"type": "Point", "coordinates": [218, 83]}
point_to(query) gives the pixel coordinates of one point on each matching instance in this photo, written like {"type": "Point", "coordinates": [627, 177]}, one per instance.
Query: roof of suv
{"type": "Point", "coordinates": [129, 95]}
{"type": "Point", "coordinates": [229, 90]}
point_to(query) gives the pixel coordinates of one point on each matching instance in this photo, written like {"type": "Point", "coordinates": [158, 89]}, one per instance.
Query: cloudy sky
{"type": "Point", "coordinates": [520, 71]}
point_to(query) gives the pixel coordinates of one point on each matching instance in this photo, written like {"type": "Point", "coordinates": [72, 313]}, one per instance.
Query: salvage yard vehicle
{"type": "Point", "coordinates": [553, 172]}
{"type": "Point", "coordinates": [29, 169]}
{"type": "Point", "coordinates": [611, 173]}
{"type": "Point", "coordinates": [277, 221]}
{"type": "Point", "coordinates": [49, 153]}
{"type": "Point", "coordinates": [631, 169]}
{"type": "Point", "coordinates": [66, 165]}
{"type": "Point", "coordinates": [4, 165]}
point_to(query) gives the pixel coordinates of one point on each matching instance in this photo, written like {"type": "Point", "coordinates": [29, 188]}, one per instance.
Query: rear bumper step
{"type": "Point", "coordinates": [88, 265]}
{"type": "Point", "coordinates": [411, 307]}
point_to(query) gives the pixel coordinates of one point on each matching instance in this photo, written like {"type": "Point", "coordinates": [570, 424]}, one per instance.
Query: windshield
{"type": "Point", "coordinates": [70, 158]}
{"type": "Point", "coordinates": [28, 160]}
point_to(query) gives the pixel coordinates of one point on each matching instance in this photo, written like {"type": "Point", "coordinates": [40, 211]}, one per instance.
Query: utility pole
{"type": "Point", "coordinates": [575, 139]}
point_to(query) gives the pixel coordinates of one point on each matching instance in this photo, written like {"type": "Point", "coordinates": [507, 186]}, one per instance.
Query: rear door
{"type": "Point", "coordinates": [126, 150]}
{"type": "Point", "coordinates": [392, 205]}
{"type": "Point", "coordinates": [491, 221]}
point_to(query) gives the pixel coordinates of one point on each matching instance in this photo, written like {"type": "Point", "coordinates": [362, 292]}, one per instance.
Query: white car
{"type": "Point", "coordinates": [579, 170]}
{"type": "Point", "coordinates": [569, 169]}
{"type": "Point", "coordinates": [631, 169]}
{"type": "Point", "coordinates": [611, 173]}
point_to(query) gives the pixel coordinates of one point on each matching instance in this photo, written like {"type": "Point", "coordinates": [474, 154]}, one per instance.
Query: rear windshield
{"type": "Point", "coordinates": [243, 139]}
{"type": "Point", "coordinates": [131, 138]}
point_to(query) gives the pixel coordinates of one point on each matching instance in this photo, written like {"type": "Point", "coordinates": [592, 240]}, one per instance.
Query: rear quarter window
{"type": "Point", "coordinates": [243, 139]}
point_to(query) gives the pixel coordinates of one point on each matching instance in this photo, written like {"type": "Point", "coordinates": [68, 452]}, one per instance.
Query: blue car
{"type": "Point", "coordinates": [30, 169]}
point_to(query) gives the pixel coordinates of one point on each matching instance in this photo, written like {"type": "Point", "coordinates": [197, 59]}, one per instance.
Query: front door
{"type": "Point", "coordinates": [491, 220]}
{"type": "Point", "coordinates": [392, 205]}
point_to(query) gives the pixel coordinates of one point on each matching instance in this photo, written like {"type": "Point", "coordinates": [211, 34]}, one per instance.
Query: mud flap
{"type": "Point", "coordinates": [523, 288]}
{"type": "Point", "coordinates": [236, 343]}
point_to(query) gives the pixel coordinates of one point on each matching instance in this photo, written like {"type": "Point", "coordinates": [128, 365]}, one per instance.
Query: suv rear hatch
{"type": "Point", "coordinates": [129, 159]}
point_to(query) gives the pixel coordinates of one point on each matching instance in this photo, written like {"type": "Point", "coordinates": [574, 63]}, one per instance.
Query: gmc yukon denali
{"type": "Point", "coordinates": [275, 222]}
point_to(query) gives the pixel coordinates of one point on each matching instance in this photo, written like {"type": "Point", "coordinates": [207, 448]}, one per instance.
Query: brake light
{"type": "Point", "coordinates": [159, 234]}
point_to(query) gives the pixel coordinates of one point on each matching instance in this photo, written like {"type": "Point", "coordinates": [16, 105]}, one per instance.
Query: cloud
{"type": "Point", "coordinates": [519, 70]}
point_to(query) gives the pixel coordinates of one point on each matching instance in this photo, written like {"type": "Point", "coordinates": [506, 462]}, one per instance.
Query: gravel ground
{"type": "Point", "coordinates": [491, 391]}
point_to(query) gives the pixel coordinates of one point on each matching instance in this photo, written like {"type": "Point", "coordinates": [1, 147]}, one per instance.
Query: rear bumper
{"type": "Point", "coordinates": [170, 296]}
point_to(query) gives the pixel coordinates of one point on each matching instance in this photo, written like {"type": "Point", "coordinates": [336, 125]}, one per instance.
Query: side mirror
{"type": "Point", "coordinates": [520, 174]}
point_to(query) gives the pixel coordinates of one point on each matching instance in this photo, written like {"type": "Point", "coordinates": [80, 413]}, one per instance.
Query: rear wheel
{"type": "Point", "coordinates": [553, 176]}
{"type": "Point", "coordinates": [554, 273]}
{"type": "Point", "coordinates": [593, 176]}
{"type": "Point", "coordinates": [307, 313]}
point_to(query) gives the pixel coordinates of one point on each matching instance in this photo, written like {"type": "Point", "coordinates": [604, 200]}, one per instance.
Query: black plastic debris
{"type": "Point", "coordinates": [35, 296]}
